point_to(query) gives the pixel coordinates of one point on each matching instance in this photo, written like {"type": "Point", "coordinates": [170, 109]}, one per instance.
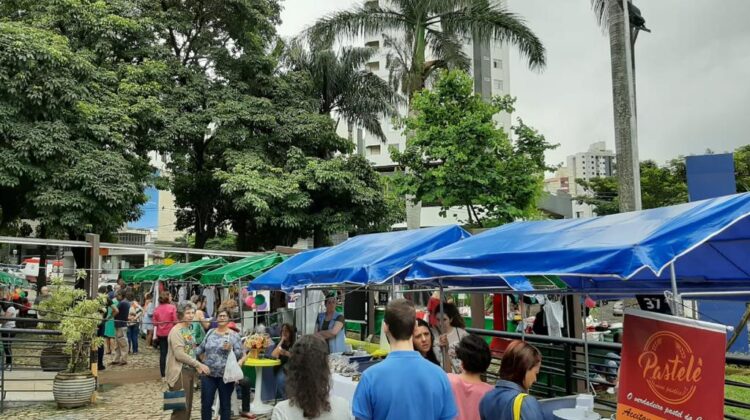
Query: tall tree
{"type": "Point", "coordinates": [459, 157]}
{"type": "Point", "coordinates": [433, 28]}
{"type": "Point", "coordinates": [296, 179]}
{"type": "Point", "coordinates": [612, 15]}
{"type": "Point", "coordinates": [358, 96]}
{"type": "Point", "coordinates": [78, 98]}
{"type": "Point", "coordinates": [426, 35]}
{"type": "Point", "coordinates": [218, 55]}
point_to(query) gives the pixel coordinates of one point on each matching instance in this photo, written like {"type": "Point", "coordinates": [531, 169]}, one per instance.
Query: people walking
{"type": "Point", "coordinates": [214, 352]}
{"type": "Point", "coordinates": [165, 317]}
{"type": "Point", "coordinates": [148, 312]}
{"type": "Point", "coordinates": [122, 312]}
{"type": "Point", "coordinates": [9, 311]}
{"type": "Point", "coordinates": [135, 317]}
{"type": "Point", "coordinates": [181, 364]}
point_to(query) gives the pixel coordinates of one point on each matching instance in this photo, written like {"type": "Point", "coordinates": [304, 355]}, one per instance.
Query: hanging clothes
{"type": "Point", "coordinates": [182, 294]}
{"type": "Point", "coordinates": [208, 292]}
{"type": "Point", "coordinates": [554, 315]}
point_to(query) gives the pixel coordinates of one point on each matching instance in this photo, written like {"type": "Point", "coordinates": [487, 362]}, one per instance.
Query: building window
{"type": "Point", "coordinates": [373, 44]}
{"type": "Point", "coordinates": [498, 84]}
{"type": "Point", "coordinates": [485, 58]}
{"type": "Point", "coordinates": [498, 64]}
{"type": "Point", "coordinates": [486, 79]}
{"type": "Point", "coordinates": [373, 66]}
{"type": "Point", "coordinates": [579, 214]}
{"type": "Point", "coordinates": [394, 146]}
{"type": "Point", "coordinates": [373, 150]}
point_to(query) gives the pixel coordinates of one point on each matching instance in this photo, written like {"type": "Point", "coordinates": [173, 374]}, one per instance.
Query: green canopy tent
{"type": "Point", "coordinates": [246, 267]}
{"type": "Point", "coordinates": [13, 281]}
{"type": "Point", "coordinates": [150, 273]}
{"type": "Point", "coordinates": [190, 270]}
{"type": "Point", "coordinates": [130, 276]}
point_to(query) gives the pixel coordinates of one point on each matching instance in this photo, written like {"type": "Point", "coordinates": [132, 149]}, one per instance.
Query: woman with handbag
{"type": "Point", "coordinates": [181, 362]}
{"type": "Point", "coordinates": [219, 348]}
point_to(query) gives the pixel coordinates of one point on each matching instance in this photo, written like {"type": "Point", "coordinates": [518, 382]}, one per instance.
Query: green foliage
{"type": "Point", "coordinates": [457, 155]}
{"type": "Point", "coordinates": [79, 319]}
{"type": "Point", "coordinates": [601, 194]}
{"type": "Point", "coordinates": [76, 103]}
{"type": "Point", "coordinates": [434, 26]}
{"type": "Point", "coordinates": [742, 168]}
{"type": "Point", "coordinates": [341, 86]}
{"type": "Point", "coordinates": [660, 186]}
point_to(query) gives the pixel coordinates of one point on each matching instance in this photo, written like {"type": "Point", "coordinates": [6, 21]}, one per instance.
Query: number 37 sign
{"type": "Point", "coordinates": [672, 368]}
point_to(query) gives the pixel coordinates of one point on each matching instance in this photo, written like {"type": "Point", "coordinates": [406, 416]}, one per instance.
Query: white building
{"type": "Point", "coordinates": [491, 78]}
{"type": "Point", "coordinates": [597, 161]}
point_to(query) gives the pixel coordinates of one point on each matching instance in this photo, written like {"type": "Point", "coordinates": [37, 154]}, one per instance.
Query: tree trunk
{"type": "Point", "coordinates": [623, 97]}
{"type": "Point", "coordinates": [320, 238]}
{"type": "Point", "coordinates": [80, 256]}
{"type": "Point", "coordinates": [41, 278]}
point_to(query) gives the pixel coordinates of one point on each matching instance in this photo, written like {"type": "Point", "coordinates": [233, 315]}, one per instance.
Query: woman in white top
{"type": "Point", "coordinates": [308, 385]}
{"type": "Point", "coordinates": [9, 311]}
{"type": "Point", "coordinates": [450, 332]}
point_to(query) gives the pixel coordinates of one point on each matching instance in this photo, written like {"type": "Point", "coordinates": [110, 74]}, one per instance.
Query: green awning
{"type": "Point", "coordinates": [246, 267]}
{"type": "Point", "coordinates": [130, 275]}
{"type": "Point", "coordinates": [11, 280]}
{"type": "Point", "coordinates": [150, 273]}
{"type": "Point", "coordinates": [185, 271]}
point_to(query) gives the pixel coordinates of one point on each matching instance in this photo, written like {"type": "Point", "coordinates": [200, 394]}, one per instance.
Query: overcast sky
{"type": "Point", "coordinates": [692, 71]}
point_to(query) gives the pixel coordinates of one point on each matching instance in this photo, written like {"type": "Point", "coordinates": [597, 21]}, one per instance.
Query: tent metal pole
{"type": "Point", "coordinates": [304, 311]}
{"type": "Point", "coordinates": [677, 311]}
{"type": "Point", "coordinates": [445, 361]}
{"type": "Point", "coordinates": [701, 294]}
{"type": "Point", "coordinates": [586, 348]}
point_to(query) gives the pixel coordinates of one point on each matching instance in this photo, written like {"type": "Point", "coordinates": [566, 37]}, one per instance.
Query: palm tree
{"type": "Point", "coordinates": [412, 28]}
{"type": "Point", "coordinates": [611, 15]}
{"type": "Point", "coordinates": [434, 26]}
{"type": "Point", "coordinates": [358, 96]}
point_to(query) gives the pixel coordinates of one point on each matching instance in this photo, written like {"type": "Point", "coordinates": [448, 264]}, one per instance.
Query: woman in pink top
{"type": "Point", "coordinates": [165, 317]}
{"type": "Point", "coordinates": [468, 388]}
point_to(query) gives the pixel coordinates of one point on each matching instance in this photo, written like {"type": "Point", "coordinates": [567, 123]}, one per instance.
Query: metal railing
{"type": "Point", "coordinates": [564, 368]}
{"type": "Point", "coordinates": [26, 346]}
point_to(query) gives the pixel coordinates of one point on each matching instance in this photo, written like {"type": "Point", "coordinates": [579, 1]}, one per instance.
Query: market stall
{"type": "Point", "coordinates": [698, 247]}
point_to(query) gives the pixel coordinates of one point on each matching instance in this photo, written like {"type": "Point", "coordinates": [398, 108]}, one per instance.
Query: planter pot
{"type": "Point", "coordinates": [54, 359]}
{"type": "Point", "coordinates": [73, 390]}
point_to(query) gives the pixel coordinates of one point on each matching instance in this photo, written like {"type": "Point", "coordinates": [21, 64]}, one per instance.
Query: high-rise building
{"type": "Point", "coordinates": [491, 78]}
{"type": "Point", "coordinates": [597, 161]}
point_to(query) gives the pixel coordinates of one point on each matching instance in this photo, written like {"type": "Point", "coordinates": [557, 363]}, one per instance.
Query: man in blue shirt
{"type": "Point", "coordinates": [405, 385]}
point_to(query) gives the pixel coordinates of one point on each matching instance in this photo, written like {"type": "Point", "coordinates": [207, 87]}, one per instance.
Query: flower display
{"type": "Point", "coordinates": [258, 342]}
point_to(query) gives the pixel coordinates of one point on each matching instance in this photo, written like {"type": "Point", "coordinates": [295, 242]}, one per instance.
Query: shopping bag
{"type": "Point", "coordinates": [174, 400]}
{"type": "Point", "coordinates": [232, 371]}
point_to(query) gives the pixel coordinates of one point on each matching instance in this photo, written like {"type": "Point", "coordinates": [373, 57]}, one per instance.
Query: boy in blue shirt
{"type": "Point", "coordinates": [405, 385]}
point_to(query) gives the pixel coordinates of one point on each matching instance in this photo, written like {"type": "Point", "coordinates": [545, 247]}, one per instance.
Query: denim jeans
{"type": "Point", "coordinates": [133, 338]}
{"type": "Point", "coordinates": [209, 386]}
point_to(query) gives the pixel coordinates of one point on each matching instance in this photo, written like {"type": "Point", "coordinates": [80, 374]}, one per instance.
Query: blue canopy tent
{"type": "Point", "coordinates": [372, 259]}
{"type": "Point", "coordinates": [272, 279]}
{"type": "Point", "coordinates": [706, 243]}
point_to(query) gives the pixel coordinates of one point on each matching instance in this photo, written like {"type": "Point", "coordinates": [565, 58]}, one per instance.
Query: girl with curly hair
{"type": "Point", "coordinates": [308, 385]}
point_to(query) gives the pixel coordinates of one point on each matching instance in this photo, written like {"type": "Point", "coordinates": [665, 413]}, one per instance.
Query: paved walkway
{"type": "Point", "coordinates": [126, 392]}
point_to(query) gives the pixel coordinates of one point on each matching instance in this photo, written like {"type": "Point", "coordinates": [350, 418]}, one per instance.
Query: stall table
{"type": "Point", "coordinates": [257, 406]}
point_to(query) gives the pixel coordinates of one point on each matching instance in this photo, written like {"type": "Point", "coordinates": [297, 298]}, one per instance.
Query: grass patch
{"type": "Point", "coordinates": [736, 393]}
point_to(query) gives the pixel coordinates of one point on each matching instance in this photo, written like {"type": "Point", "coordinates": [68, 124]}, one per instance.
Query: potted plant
{"type": "Point", "coordinates": [62, 297]}
{"type": "Point", "coordinates": [74, 386]}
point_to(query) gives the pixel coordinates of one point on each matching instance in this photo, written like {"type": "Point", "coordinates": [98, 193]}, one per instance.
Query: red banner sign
{"type": "Point", "coordinates": [672, 368]}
